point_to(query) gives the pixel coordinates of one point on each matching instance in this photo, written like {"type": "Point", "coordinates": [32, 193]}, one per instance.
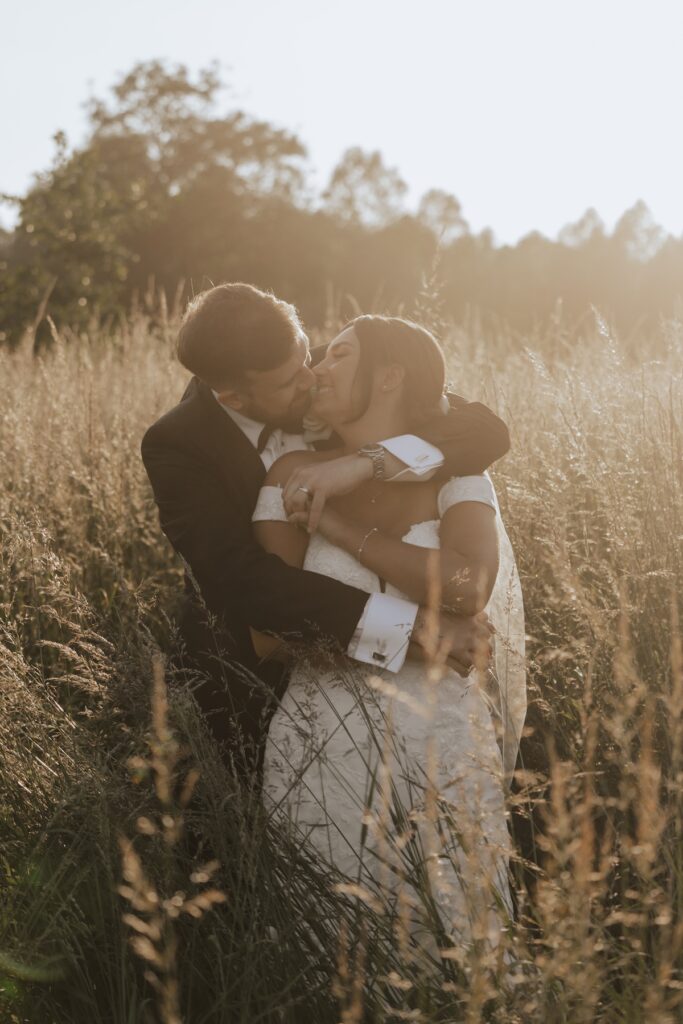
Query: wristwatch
{"type": "Point", "coordinates": [374, 452]}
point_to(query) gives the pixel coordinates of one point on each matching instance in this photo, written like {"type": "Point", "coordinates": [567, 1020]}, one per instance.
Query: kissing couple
{"type": "Point", "coordinates": [363, 651]}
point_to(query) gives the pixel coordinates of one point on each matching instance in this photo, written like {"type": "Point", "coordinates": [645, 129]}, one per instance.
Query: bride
{"type": "Point", "coordinates": [398, 780]}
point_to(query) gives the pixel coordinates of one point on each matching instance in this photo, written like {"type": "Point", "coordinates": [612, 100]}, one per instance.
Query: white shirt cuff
{"type": "Point", "coordinates": [382, 635]}
{"type": "Point", "coordinates": [420, 457]}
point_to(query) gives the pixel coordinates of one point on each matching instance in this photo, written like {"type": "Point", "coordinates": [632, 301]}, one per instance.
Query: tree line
{"type": "Point", "coordinates": [167, 188]}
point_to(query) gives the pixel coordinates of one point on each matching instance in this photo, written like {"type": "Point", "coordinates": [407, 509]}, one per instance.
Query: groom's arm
{"type": "Point", "coordinates": [462, 442]}
{"type": "Point", "coordinates": [209, 525]}
{"type": "Point", "coordinates": [470, 437]}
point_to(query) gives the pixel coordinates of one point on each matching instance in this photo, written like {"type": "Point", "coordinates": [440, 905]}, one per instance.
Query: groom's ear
{"type": "Point", "coordinates": [232, 398]}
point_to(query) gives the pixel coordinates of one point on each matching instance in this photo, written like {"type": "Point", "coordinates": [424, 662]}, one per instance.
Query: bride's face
{"type": "Point", "coordinates": [334, 397]}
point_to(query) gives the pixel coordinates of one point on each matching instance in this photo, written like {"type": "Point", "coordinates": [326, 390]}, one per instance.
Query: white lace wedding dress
{"type": "Point", "coordinates": [398, 781]}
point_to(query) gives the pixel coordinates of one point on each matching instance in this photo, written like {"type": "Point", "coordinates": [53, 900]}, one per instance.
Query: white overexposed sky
{"type": "Point", "coordinates": [529, 111]}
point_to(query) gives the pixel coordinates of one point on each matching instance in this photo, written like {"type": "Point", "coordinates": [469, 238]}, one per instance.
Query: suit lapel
{"type": "Point", "coordinates": [234, 455]}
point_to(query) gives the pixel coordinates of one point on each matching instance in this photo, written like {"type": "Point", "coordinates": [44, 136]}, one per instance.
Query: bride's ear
{"type": "Point", "coordinates": [392, 377]}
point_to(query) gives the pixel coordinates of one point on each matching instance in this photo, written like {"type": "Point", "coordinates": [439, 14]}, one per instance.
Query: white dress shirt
{"type": "Point", "coordinates": [383, 632]}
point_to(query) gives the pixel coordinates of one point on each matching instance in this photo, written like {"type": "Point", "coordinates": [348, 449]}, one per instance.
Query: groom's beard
{"type": "Point", "coordinates": [292, 421]}
{"type": "Point", "coordinates": [289, 419]}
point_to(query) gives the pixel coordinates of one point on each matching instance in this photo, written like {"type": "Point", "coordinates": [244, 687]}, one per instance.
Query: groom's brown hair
{"type": "Point", "coordinates": [233, 328]}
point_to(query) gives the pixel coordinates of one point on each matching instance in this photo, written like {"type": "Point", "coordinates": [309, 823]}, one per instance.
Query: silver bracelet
{"type": "Point", "coordinates": [362, 543]}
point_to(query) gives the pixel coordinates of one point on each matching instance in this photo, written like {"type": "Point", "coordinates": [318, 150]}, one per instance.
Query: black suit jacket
{"type": "Point", "coordinates": [206, 477]}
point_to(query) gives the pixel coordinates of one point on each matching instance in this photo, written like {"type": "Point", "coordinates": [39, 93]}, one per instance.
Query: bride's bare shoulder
{"type": "Point", "coordinates": [281, 470]}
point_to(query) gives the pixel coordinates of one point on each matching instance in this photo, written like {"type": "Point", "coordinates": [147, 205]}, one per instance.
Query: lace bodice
{"type": "Point", "coordinates": [505, 607]}
{"type": "Point", "coordinates": [329, 560]}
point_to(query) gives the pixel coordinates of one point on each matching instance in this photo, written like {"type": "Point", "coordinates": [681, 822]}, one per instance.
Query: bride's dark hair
{"type": "Point", "coordinates": [391, 339]}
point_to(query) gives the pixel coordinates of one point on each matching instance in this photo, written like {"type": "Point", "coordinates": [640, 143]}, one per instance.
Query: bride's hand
{"type": "Point", "coordinates": [333, 526]}
{"type": "Point", "coordinates": [462, 641]}
{"type": "Point", "coordinates": [309, 487]}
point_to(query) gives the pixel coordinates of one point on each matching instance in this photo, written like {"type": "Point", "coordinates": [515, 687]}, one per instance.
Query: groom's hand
{"type": "Point", "coordinates": [464, 642]}
{"type": "Point", "coordinates": [309, 487]}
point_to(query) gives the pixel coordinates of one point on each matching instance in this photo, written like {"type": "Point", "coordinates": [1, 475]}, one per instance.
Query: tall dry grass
{"type": "Point", "coordinates": [592, 495]}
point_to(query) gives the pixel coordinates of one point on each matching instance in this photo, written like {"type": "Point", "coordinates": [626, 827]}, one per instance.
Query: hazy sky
{"type": "Point", "coordinates": [528, 110]}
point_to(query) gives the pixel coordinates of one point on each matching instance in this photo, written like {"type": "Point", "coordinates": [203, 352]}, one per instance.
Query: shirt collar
{"type": "Point", "coordinates": [250, 428]}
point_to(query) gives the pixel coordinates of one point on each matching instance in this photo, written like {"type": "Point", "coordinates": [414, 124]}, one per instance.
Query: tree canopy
{"type": "Point", "coordinates": [169, 187]}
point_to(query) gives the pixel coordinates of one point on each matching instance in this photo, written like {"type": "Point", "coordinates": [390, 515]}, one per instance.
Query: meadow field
{"type": "Point", "coordinates": [106, 913]}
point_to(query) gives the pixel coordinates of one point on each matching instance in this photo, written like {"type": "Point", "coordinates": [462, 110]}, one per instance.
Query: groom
{"type": "Point", "coordinates": [206, 460]}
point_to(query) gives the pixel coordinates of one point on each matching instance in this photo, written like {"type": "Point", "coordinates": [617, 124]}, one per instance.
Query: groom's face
{"type": "Point", "coordinates": [281, 396]}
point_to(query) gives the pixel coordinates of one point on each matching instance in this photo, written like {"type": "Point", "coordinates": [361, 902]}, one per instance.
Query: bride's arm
{"type": "Point", "coordinates": [287, 540]}
{"type": "Point", "coordinates": [462, 572]}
